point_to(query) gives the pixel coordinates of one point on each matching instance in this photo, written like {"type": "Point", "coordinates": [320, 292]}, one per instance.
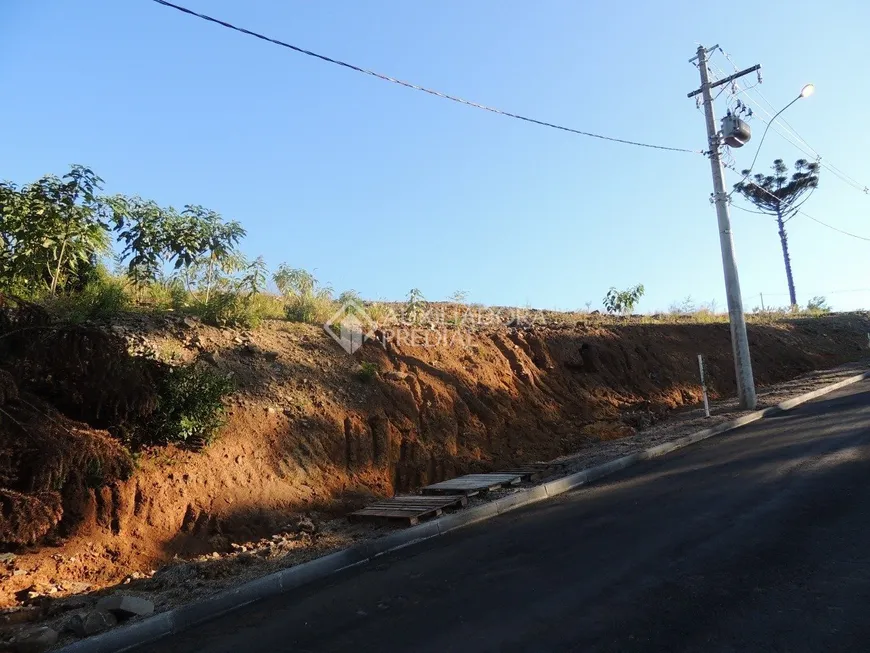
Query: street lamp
{"type": "Point", "coordinates": [806, 91]}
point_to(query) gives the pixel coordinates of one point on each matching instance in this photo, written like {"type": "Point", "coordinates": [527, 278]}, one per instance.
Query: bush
{"type": "Point", "coordinates": [102, 297]}
{"type": "Point", "coordinates": [381, 314]}
{"type": "Point", "coordinates": [189, 405]}
{"type": "Point", "coordinates": [169, 295]}
{"type": "Point", "coordinates": [818, 306]}
{"type": "Point", "coordinates": [367, 371]}
{"type": "Point", "coordinates": [307, 300]}
{"type": "Point", "coordinates": [235, 309]}
{"type": "Point", "coordinates": [623, 301]}
{"type": "Point", "coordinates": [415, 307]}
{"type": "Point", "coordinates": [310, 309]}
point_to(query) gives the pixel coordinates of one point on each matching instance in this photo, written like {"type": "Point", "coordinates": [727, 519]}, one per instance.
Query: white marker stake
{"type": "Point", "coordinates": [703, 386]}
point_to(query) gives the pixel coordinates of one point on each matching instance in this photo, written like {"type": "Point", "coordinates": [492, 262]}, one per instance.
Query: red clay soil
{"type": "Point", "coordinates": [307, 431]}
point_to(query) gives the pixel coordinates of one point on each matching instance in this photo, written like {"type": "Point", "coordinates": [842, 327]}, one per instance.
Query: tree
{"type": "Point", "coordinates": [206, 240]}
{"type": "Point", "coordinates": [780, 195]}
{"type": "Point", "coordinates": [623, 301]}
{"type": "Point", "coordinates": [196, 239]}
{"type": "Point", "coordinates": [144, 229]}
{"type": "Point", "coordinates": [51, 229]}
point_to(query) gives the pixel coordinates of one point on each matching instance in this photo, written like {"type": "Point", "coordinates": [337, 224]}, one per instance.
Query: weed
{"type": "Point", "coordinates": [102, 297]}
{"type": "Point", "coordinates": [415, 307]}
{"type": "Point", "coordinates": [366, 372]}
{"type": "Point", "coordinates": [458, 297]}
{"type": "Point", "coordinates": [381, 314]}
{"type": "Point", "coordinates": [818, 306]}
{"type": "Point", "coordinates": [307, 300]}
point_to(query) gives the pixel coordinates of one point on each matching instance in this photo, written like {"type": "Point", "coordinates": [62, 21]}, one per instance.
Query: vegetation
{"type": "Point", "coordinates": [415, 307]}
{"type": "Point", "coordinates": [622, 302]}
{"type": "Point", "coordinates": [190, 407]}
{"type": "Point", "coordinates": [307, 300]}
{"type": "Point", "coordinates": [781, 196]}
{"type": "Point", "coordinates": [56, 238]}
{"type": "Point", "coordinates": [458, 296]}
{"type": "Point", "coordinates": [818, 306]}
{"type": "Point", "coordinates": [367, 371]}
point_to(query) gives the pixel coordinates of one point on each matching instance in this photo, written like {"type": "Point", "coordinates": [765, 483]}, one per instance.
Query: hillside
{"type": "Point", "coordinates": [311, 428]}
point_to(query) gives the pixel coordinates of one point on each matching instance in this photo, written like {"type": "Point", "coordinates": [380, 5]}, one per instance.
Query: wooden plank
{"type": "Point", "coordinates": [407, 509]}
{"type": "Point", "coordinates": [472, 484]}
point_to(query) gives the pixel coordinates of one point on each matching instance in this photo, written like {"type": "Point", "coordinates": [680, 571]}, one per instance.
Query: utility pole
{"type": "Point", "coordinates": [736, 318]}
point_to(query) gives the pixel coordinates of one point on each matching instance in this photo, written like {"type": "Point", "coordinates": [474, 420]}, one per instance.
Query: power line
{"type": "Point", "coordinates": [792, 132]}
{"type": "Point", "coordinates": [799, 210]}
{"type": "Point", "coordinates": [825, 224]}
{"type": "Point", "coordinates": [416, 87]}
{"type": "Point", "coordinates": [737, 206]}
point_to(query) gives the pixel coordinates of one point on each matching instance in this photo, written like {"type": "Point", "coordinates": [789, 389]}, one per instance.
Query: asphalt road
{"type": "Point", "coordinates": [758, 540]}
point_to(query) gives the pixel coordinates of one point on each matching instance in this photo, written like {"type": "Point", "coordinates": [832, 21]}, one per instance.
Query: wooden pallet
{"type": "Point", "coordinates": [472, 484]}
{"type": "Point", "coordinates": [532, 471]}
{"type": "Point", "coordinates": [408, 509]}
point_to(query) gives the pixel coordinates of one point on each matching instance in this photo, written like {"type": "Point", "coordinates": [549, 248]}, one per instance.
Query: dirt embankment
{"type": "Point", "coordinates": [307, 431]}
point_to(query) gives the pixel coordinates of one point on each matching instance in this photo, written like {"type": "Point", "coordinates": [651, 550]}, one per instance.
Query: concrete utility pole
{"type": "Point", "coordinates": [736, 318]}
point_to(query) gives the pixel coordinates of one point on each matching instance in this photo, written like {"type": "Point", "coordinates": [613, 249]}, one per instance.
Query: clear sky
{"type": "Point", "coordinates": [380, 189]}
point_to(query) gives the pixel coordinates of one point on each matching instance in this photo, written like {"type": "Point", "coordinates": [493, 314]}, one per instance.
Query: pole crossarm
{"type": "Point", "coordinates": [725, 80]}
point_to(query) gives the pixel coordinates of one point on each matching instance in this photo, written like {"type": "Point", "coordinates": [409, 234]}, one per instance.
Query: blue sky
{"type": "Point", "coordinates": [380, 189]}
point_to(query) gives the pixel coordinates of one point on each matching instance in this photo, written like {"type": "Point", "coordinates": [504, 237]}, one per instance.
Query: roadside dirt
{"type": "Point", "coordinates": [308, 438]}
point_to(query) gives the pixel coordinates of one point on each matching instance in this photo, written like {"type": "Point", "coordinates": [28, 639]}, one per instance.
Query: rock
{"type": "Point", "coordinates": [125, 606]}
{"type": "Point", "coordinates": [271, 410]}
{"type": "Point", "coordinates": [35, 640]}
{"type": "Point", "coordinates": [26, 594]}
{"type": "Point", "coordinates": [211, 357]}
{"type": "Point", "coordinates": [190, 322]}
{"type": "Point", "coordinates": [91, 623]}
{"type": "Point", "coordinates": [306, 525]}
{"type": "Point", "coordinates": [7, 557]}
{"type": "Point", "coordinates": [118, 330]}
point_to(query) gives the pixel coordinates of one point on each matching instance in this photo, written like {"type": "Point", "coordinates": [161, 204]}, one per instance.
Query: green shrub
{"type": "Point", "coordinates": [235, 309]}
{"type": "Point", "coordinates": [415, 307]}
{"type": "Point", "coordinates": [311, 309]}
{"type": "Point", "coordinates": [168, 295]}
{"type": "Point", "coordinates": [818, 306]}
{"type": "Point", "coordinates": [269, 307]}
{"type": "Point", "coordinates": [367, 371]}
{"type": "Point", "coordinates": [102, 297]}
{"type": "Point", "coordinates": [622, 302]}
{"type": "Point", "coordinates": [307, 300]}
{"type": "Point", "coordinates": [381, 314]}
{"type": "Point", "coordinates": [189, 405]}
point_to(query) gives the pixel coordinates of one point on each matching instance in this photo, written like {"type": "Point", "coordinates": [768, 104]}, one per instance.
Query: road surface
{"type": "Point", "coordinates": [758, 540]}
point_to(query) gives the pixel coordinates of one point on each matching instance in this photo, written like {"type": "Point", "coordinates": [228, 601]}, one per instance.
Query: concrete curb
{"type": "Point", "coordinates": [185, 617]}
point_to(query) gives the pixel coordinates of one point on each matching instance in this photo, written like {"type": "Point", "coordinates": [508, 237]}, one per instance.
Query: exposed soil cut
{"type": "Point", "coordinates": [307, 433]}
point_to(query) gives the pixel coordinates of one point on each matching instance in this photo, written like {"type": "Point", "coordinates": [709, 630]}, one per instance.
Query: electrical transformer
{"type": "Point", "coordinates": [735, 132]}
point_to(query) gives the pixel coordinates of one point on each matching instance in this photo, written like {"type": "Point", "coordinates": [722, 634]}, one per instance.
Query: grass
{"type": "Point", "coordinates": [106, 295]}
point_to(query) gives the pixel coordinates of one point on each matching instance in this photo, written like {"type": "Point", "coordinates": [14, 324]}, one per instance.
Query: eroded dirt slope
{"type": "Point", "coordinates": [306, 431]}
